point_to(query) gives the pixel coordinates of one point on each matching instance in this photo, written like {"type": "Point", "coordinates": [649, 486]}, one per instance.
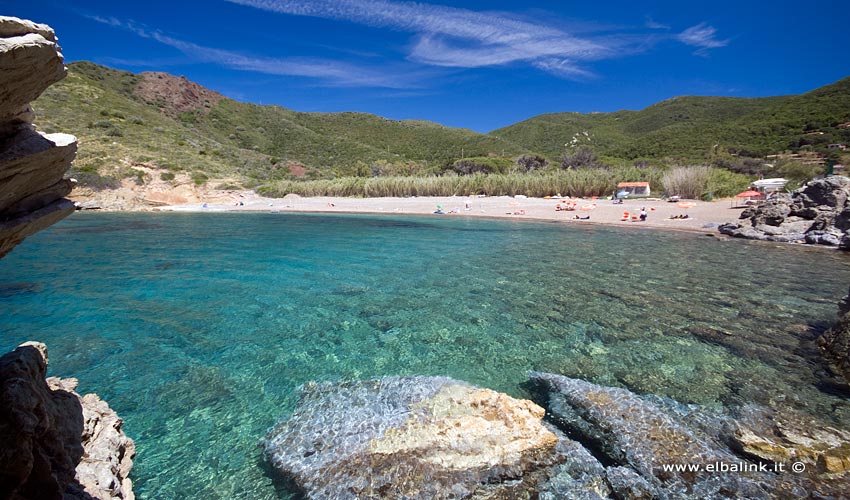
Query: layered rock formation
{"type": "Point", "coordinates": [834, 344]}
{"type": "Point", "coordinates": [56, 443]}
{"type": "Point", "coordinates": [816, 214]}
{"type": "Point", "coordinates": [32, 164]}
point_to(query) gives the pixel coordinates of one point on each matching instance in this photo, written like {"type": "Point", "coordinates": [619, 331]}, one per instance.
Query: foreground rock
{"type": "Point", "coordinates": [57, 444]}
{"type": "Point", "coordinates": [834, 344]}
{"type": "Point", "coordinates": [816, 214]}
{"type": "Point", "coordinates": [32, 164]}
{"type": "Point", "coordinates": [434, 437]}
{"type": "Point", "coordinates": [667, 450]}
{"type": "Point", "coordinates": [428, 438]}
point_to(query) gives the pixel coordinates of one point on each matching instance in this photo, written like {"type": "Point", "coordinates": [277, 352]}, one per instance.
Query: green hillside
{"type": "Point", "coordinates": [689, 127]}
{"type": "Point", "coordinates": [251, 144]}
{"type": "Point", "coordinates": [168, 123]}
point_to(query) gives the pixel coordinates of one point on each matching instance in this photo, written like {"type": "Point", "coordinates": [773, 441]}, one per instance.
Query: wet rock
{"type": "Point", "coordinates": [645, 438]}
{"type": "Point", "coordinates": [637, 434]}
{"type": "Point", "coordinates": [423, 437]}
{"type": "Point", "coordinates": [834, 344]}
{"type": "Point", "coordinates": [789, 437]}
{"type": "Point", "coordinates": [815, 214]}
{"type": "Point", "coordinates": [56, 444]}
{"type": "Point", "coordinates": [580, 477]}
{"type": "Point", "coordinates": [830, 238]}
{"type": "Point", "coordinates": [627, 484]}
{"type": "Point", "coordinates": [32, 164]}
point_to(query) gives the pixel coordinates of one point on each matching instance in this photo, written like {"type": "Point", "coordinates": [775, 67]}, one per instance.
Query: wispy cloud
{"type": "Point", "coordinates": [333, 73]}
{"type": "Point", "coordinates": [702, 36]}
{"type": "Point", "coordinates": [454, 37]}
{"type": "Point", "coordinates": [651, 24]}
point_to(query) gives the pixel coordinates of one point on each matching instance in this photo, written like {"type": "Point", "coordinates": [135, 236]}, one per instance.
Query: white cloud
{"type": "Point", "coordinates": [702, 36]}
{"type": "Point", "coordinates": [454, 37]}
{"type": "Point", "coordinates": [333, 73]}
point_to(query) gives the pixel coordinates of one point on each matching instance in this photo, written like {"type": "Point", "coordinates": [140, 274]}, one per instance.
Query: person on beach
{"type": "Point", "coordinates": [643, 214]}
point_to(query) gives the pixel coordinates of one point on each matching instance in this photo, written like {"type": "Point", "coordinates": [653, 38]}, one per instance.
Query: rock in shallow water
{"type": "Point", "coordinates": [421, 437]}
{"type": "Point", "coordinates": [661, 449]}
{"type": "Point", "coordinates": [834, 344]}
{"type": "Point", "coordinates": [55, 443]}
{"type": "Point", "coordinates": [635, 433]}
{"type": "Point", "coordinates": [434, 437]}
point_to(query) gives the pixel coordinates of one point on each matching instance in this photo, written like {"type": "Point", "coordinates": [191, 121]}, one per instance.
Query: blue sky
{"type": "Point", "coordinates": [474, 64]}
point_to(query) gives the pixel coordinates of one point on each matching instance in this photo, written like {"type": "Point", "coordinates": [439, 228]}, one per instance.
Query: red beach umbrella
{"type": "Point", "coordinates": [748, 194]}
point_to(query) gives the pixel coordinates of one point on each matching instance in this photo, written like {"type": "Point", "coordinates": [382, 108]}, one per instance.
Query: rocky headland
{"type": "Point", "coordinates": [435, 437]}
{"type": "Point", "coordinates": [32, 164]}
{"type": "Point", "coordinates": [817, 213]}
{"type": "Point", "coordinates": [56, 443]}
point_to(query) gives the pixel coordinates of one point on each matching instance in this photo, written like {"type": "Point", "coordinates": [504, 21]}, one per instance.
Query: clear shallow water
{"type": "Point", "coordinates": [197, 328]}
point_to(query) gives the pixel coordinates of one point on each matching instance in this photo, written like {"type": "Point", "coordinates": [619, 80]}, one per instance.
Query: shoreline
{"type": "Point", "coordinates": [702, 216]}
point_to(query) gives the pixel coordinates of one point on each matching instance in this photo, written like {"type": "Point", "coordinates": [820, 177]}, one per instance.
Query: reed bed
{"type": "Point", "coordinates": [575, 183]}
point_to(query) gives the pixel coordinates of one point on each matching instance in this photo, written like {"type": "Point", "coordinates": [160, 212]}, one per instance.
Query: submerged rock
{"type": "Point", "coordinates": [834, 344]}
{"type": "Point", "coordinates": [631, 432]}
{"type": "Point", "coordinates": [57, 444]}
{"type": "Point", "coordinates": [661, 449]}
{"type": "Point", "coordinates": [815, 214]}
{"type": "Point", "coordinates": [790, 437]}
{"type": "Point", "coordinates": [424, 437]}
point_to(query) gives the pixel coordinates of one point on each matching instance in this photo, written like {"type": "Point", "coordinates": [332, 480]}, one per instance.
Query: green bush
{"type": "Point", "coordinates": [199, 178]}
{"type": "Point", "coordinates": [95, 180]}
{"type": "Point", "coordinates": [167, 176]}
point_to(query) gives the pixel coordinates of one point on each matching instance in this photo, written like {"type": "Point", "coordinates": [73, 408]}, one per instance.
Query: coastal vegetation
{"type": "Point", "coordinates": [170, 126]}
{"type": "Point", "coordinates": [705, 183]}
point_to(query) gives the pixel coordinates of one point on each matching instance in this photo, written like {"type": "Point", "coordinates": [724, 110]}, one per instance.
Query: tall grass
{"type": "Point", "coordinates": [687, 182]}
{"type": "Point", "coordinates": [581, 182]}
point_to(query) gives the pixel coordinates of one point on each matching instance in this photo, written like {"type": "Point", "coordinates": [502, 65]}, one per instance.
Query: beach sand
{"type": "Point", "coordinates": [702, 216]}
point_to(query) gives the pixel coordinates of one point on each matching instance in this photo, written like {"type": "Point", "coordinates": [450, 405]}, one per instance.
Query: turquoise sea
{"type": "Point", "coordinates": [197, 328]}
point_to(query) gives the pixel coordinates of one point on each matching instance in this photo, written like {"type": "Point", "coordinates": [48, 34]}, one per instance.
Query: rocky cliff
{"type": "Point", "coordinates": [818, 214]}
{"type": "Point", "coordinates": [32, 164]}
{"type": "Point", "coordinates": [56, 443]}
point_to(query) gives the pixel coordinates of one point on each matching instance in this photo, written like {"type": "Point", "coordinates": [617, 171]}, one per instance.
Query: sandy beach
{"type": "Point", "coordinates": [702, 216]}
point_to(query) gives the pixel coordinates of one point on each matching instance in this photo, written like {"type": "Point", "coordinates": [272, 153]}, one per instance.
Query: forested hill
{"type": "Point", "coordinates": [166, 122]}
{"type": "Point", "coordinates": [690, 126]}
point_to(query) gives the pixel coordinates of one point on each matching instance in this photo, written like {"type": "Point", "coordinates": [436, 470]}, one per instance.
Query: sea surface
{"type": "Point", "coordinates": [198, 328]}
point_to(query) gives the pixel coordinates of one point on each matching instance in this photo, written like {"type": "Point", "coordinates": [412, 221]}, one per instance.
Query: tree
{"type": "Point", "coordinates": [529, 163]}
{"type": "Point", "coordinates": [583, 157]}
